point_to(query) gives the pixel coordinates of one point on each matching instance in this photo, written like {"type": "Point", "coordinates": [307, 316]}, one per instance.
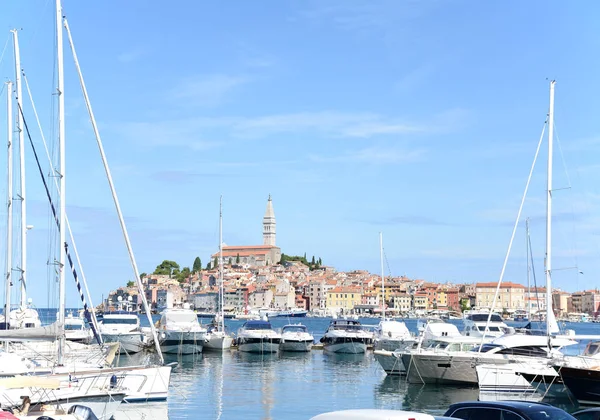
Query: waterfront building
{"type": "Point", "coordinates": [260, 298]}
{"type": "Point", "coordinates": [590, 302]}
{"type": "Point", "coordinates": [560, 303]}
{"type": "Point", "coordinates": [206, 301]}
{"type": "Point", "coordinates": [510, 296]}
{"type": "Point", "coordinates": [266, 254]}
{"type": "Point", "coordinates": [420, 301]}
{"type": "Point", "coordinates": [452, 299]}
{"type": "Point", "coordinates": [345, 298]}
{"type": "Point", "coordinates": [401, 302]}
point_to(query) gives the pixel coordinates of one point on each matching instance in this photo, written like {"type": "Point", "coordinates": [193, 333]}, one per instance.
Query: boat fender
{"type": "Point", "coordinates": [113, 381]}
{"type": "Point", "coordinates": [322, 340]}
{"type": "Point", "coordinates": [82, 412]}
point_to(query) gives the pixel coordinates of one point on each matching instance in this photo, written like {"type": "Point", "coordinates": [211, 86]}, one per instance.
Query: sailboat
{"type": "Point", "coordinates": [216, 337]}
{"type": "Point", "coordinates": [142, 383]}
{"type": "Point", "coordinates": [390, 334]}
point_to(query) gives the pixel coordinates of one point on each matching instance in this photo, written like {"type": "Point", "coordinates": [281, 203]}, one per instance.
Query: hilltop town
{"type": "Point", "coordinates": [261, 276]}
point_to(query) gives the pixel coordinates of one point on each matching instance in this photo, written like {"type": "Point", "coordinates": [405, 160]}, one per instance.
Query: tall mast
{"type": "Point", "coordinates": [550, 321]}
{"type": "Point", "coordinates": [61, 171]}
{"type": "Point", "coordinates": [113, 191]}
{"type": "Point", "coordinates": [221, 290]}
{"type": "Point", "coordinates": [9, 207]}
{"type": "Point", "coordinates": [382, 277]}
{"type": "Point", "coordinates": [528, 302]}
{"type": "Point", "coordinates": [22, 191]}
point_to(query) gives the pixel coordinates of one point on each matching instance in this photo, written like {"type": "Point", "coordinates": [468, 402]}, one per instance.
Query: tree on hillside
{"type": "Point", "coordinates": [197, 266]}
{"type": "Point", "coordinates": [167, 267]}
{"type": "Point", "coordinates": [143, 275]}
{"type": "Point", "coordinates": [320, 263]}
{"type": "Point", "coordinates": [312, 262]}
{"type": "Point", "coordinates": [237, 259]}
{"type": "Point", "coordinates": [130, 283]}
{"type": "Point", "coordinates": [184, 274]}
{"type": "Point", "coordinates": [215, 263]}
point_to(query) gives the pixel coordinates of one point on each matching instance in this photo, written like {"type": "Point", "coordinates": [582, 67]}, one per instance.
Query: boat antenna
{"type": "Point", "coordinates": [382, 277]}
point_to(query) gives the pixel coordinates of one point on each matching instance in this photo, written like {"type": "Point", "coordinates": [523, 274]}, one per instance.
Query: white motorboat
{"type": "Point", "coordinates": [392, 335]}
{"type": "Point", "coordinates": [123, 326]}
{"type": "Point", "coordinates": [180, 332]}
{"type": "Point", "coordinates": [346, 336]}
{"type": "Point", "coordinates": [26, 317]}
{"type": "Point", "coordinates": [295, 337]}
{"type": "Point", "coordinates": [258, 337]}
{"type": "Point", "coordinates": [76, 330]}
{"type": "Point", "coordinates": [475, 325]}
{"type": "Point", "coordinates": [458, 367]}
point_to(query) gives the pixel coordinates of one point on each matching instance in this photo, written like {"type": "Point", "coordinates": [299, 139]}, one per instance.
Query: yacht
{"type": "Point", "coordinates": [122, 326]}
{"type": "Point", "coordinates": [391, 335]}
{"type": "Point", "coordinates": [346, 336]}
{"type": "Point", "coordinates": [76, 330]}
{"type": "Point", "coordinates": [435, 366]}
{"type": "Point", "coordinates": [476, 322]}
{"type": "Point", "coordinates": [24, 317]}
{"type": "Point", "coordinates": [295, 337]}
{"type": "Point", "coordinates": [179, 331]}
{"type": "Point", "coordinates": [258, 337]}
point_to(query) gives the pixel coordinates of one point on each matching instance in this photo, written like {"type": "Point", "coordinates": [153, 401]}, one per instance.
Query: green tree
{"type": "Point", "coordinates": [183, 274]}
{"type": "Point", "coordinates": [167, 267]}
{"type": "Point", "coordinates": [130, 283]}
{"type": "Point", "coordinates": [237, 259]}
{"type": "Point", "coordinates": [312, 262]}
{"type": "Point", "coordinates": [320, 262]}
{"type": "Point", "coordinates": [143, 275]}
{"type": "Point", "coordinates": [197, 266]}
{"type": "Point", "coordinates": [215, 263]}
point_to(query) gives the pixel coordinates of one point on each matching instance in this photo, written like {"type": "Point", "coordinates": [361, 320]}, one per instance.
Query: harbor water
{"type": "Point", "coordinates": [290, 386]}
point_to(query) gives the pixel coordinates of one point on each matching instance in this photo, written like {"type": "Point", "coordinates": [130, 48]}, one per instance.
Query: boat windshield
{"type": "Point", "coordinates": [258, 325]}
{"type": "Point", "coordinates": [484, 318]}
{"type": "Point", "coordinates": [71, 327]}
{"type": "Point", "coordinates": [132, 321]}
{"type": "Point", "coordinates": [294, 328]}
{"type": "Point", "coordinates": [176, 317]}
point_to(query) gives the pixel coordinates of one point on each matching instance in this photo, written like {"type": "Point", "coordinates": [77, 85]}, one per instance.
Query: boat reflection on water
{"type": "Point", "coordinates": [395, 393]}
{"type": "Point", "coordinates": [358, 359]}
{"type": "Point", "coordinates": [146, 411]}
{"type": "Point", "coordinates": [253, 358]}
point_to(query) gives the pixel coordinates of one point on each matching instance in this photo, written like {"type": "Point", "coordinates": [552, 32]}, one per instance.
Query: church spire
{"type": "Point", "coordinates": [269, 224]}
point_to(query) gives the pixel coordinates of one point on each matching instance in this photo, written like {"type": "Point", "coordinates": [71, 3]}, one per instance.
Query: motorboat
{"type": "Point", "coordinates": [458, 367]}
{"type": "Point", "coordinates": [295, 337]}
{"type": "Point", "coordinates": [392, 335]}
{"type": "Point", "coordinates": [179, 331]}
{"type": "Point", "coordinates": [258, 337]}
{"type": "Point", "coordinates": [76, 330]}
{"type": "Point", "coordinates": [346, 336]}
{"type": "Point", "coordinates": [477, 325]}
{"type": "Point", "coordinates": [217, 338]}
{"type": "Point", "coordinates": [122, 326]}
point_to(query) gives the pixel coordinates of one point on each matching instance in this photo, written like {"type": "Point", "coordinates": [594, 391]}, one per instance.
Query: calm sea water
{"type": "Point", "coordinates": [286, 386]}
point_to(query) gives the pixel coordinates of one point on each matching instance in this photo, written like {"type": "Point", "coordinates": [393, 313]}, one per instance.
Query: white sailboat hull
{"type": "Point", "coordinates": [218, 342]}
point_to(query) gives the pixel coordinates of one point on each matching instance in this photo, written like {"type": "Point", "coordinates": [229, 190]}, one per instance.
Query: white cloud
{"type": "Point", "coordinates": [374, 155]}
{"type": "Point", "coordinates": [206, 90]}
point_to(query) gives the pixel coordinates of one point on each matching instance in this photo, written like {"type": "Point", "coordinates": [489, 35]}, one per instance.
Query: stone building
{"type": "Point", "coordinates": [257, 255]}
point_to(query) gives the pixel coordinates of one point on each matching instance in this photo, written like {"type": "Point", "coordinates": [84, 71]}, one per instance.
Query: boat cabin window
{"type": "Point", "coordinates": [454, 347]}
{"type": "Point", "coordinates": [525, 351]}
{"type": "Point", "coordinates": [132, 321]}
{"type": "Point", "coordinates": [468, 347]}
{"type": "Point", "coordinates": [73, 327]}
{"type": "Point", "coordinates": [258, 325]}
{"type": "Point", "coordinates": [484, 318]}
{"type": "Point", "coordinates": [487, 347]}
{"type": "Point", "coordinates": [592, 348]}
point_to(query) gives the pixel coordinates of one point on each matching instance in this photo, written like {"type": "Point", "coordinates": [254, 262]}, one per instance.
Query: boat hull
{"type": "Point", "coordinates": [391, 344]}
{"type": "Point", "coordinates": [584, 384]}
{"type": "Point", "coordinates": [182, 342]}
{"type": "Point", "coordinates": [296, 345]}
{"type": "Point", "coordinates": [263, 346]}
{"type": "Point", "coordinates": [390, 362]}
{"type": "Point", "coordinates": [129, 342]}
{"type": "Point", "coordinates": [441, 369]}
{"type": "Point", "coordinates": [218, 342]}
{"type": "Point", "coordinates": [347, 347]}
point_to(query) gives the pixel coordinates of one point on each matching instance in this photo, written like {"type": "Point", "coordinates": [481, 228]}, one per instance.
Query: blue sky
{"type": "Point", "coordinates": [417, 119]}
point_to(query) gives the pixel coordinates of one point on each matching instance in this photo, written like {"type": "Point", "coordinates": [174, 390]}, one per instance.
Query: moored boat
{"type": "Point", "coordinates": [346, 336]}
{"type": "Point", "coordinates": [258, 337]}
{"type": "Point", "coordinates": [295, 337]}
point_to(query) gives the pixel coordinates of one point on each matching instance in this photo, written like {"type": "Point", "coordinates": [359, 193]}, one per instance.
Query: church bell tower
{"type": "Point", "coordinates": [269, 224]}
